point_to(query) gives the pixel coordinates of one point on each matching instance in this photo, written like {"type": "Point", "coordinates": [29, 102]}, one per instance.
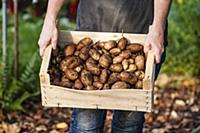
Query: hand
{"type": "Point", "coordinates": [48, 35]}
{"type": "Point", "coordinates": [154, 41]}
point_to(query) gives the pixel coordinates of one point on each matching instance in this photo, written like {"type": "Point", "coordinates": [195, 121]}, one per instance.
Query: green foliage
{"type": "Point", "coordinates": [13, 92]}
{"type": "Point", "coordinates": [184, 39]}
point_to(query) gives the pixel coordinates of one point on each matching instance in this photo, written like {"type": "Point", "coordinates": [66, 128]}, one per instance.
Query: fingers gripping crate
{"type": "Point", "coordinates": [120, 99]}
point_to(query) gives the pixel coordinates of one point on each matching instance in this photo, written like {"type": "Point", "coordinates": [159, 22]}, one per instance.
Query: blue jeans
{"type": "Point", "coordinates": [92, 120]}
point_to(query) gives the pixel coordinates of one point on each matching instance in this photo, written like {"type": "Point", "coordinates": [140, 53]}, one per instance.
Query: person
{"type": "Point", "coordinates": [130, 16]}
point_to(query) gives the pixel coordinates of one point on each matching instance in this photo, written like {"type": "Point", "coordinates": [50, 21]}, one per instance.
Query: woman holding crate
{"type": "Point", "coordinates": [130, 16]}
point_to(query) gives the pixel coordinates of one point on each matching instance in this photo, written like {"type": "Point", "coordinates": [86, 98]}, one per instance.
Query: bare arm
{"type": "Point", "coordinates": [49, 33]}
{"type": "Point", "coordinates": [155, 37]}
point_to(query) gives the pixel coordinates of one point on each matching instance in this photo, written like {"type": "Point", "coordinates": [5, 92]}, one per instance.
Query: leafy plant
{"type": "Point", "coordinates": [14, 92]}
{"type": "Point", "coordinates": [184, 43]}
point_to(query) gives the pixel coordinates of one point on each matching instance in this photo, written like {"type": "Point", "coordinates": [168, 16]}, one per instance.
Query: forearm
{"type": "Point", "coordinates": [53, 8]}
{"type": "Point", "coordinates": [161, 10]}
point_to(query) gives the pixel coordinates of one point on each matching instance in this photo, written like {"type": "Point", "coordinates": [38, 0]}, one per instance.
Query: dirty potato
{"type": "Point", "coordinates": [109, 44]}
{"type": "Point", "coordinates": [120, 85]}
{"type": "Point", "coordinates": [71, 74]}
{"type": "Point", "coordinates": [94, 54]}
{"type": "Point", "coordinates": [104, 75]}
{"type": "Point", "coordinates": [122, 43]}
{"type": "Point", "coordinates": [69, 49]}
{"type": "Point", "coordinates": [139, 62]}
{"type": "Point", "coordinates": [116, 67]}
{"type": "Point", "coordinates": [105, 61]}
{"type": "Point", "coordinates": [135, 47]}
{"type": "Point", "coordinates": [86, 78]}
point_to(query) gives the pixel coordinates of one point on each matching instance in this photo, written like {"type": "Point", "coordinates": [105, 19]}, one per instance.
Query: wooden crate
{"type": "Point", "coordinates": [120, 99]}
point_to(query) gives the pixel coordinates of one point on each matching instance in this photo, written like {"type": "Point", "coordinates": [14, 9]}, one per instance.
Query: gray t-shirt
{"type": "Point", "coordinates": [131, 16]}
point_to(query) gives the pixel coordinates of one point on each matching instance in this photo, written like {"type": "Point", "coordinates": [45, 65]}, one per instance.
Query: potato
{"type": "Point", "coordinates": [86, 41]}
{"type": "Point", "coordinates": [94, 69]}
{"type": "Point", "coordinates": [76, 53]}
{"type": "Point", "coordinates": [117, 59]}
{"type": "Point", "coordinates": [125, 64]}
{"type": "Point", "coordinates": [113, 78]}
{"type": "Point", "coordinates": [78, 68]}
{"type": "Point", "coordinates": [131, 68]}
{"type": "Point", "coordinates": [139, 62]}
{"type": "Point", "coordinates": [84, 53]}
{"type": "Point", "coordinates": [122, 43]}
{"type": "Point", "coordinates": [91, 60]}
{"type": "Point", "coordinates": [109, 44]}
{"type": "Point", "coordinates": [139, 84]}
{"type": "Point", "coordinates": [69, 49]}
{"type": "Point", "coordinates": [135, 47]}
{"type": "Point", "coordinates": [78, 84]}
{"type": "Point", "coordinates": [69, 62]}
{"type": "Point", "coordinates": [125, 54]}
{"type": "Point", "coordinates": [131, 61]}
{"type": "Point", "coordinates": [96, 78]}
{"type": "Point", "coordinates": [79, 46]}
{"type": "Point", "coordinates": [66, 84]}
{"type": "Point", "coordinates": [115, 51]}
{"type": "Point", "coordinates": [91, 87]}
{"type": "Point", "coordinates": [101, 44]}
{"type": "Point", "coordinates": [105, 61]}
{"type": "Point", "coordinates": [140, 75]}
{"type": "Point", "coordinates": [94, 54]}
{"type": "Point", "coordinates": [120, 85]}
{"type": "Point", "coordinates": [116, 67]}
{"type": "Point", "coordinates": [106, 86]}
{"type": "Point", "coordinates": [128, 77]}
{"type": "Point", "coordinates": [98, 85]}
{"type": "Point", "coordinates": [86, 78]}
{"type": "Point", "coordinates": [104, 75]}
{"type": "Point", "coordinates": [71, 74]}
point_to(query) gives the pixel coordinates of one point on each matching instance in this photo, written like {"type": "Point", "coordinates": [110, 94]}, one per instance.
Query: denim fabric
{"type": "Point", "coordinates": [92, 120]}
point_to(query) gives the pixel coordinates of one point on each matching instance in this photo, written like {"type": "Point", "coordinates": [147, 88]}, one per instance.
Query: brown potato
{"type": "Point", "coordinates": [96, 78]}
{"type": "Point", "coordinates": [113, 78]}
{"type": "Point", "coordinates": [101, 44]}
{"type": "Point", "coordinates": [140, 75]}
{"type": "Point", "coordinates": [69, 49]}
{"type": "Point", "coordinates": [106, 86]}
{"type": "Point", "coordinates": [79, 46]}
{"type": "Point", "coordinates": [120, 85]}
{"type": "Point", "coordinates": [104, 75]}
{"type": "Point", "coordinates": [131, 68]}
{"type": "Point", "coordinates": [139, 62]}
{"type": "Point", "coordinates": [115, 51]}
{"type": "Point", "coordinates": [98, 85]}
{"type": "Point", "coordinates": [116, 67]}
{"type": "Point", "coordinates": [78, 84]}
{"type": "Point", "coordinates": [109, 44]}
{"type": "Point", "coordinates": [91, 60]}
{"type": "Point", "coordinates": [93, 68]}
{"type": "Point", "coordinates": [86, 78]}
{"type": "Point", "coordinates": [91, 87]}
{"type": "Point", "coordinates": [128, 77]}
{"type": "Point", "coordinates": [117, 59]}
{"type": "Point", "coordinates": [84, 53]}
{"type": "Point", "coordinates": [71, 74]}
{"type": "Point", "coordinates": [78, 68]}
{"type": "Point", "coordinates": [94, 54]}
{"type": "Point", "coordinates": [125, 64]}
{"type": "Point", "coordinates": [67, 84]}
{"type": "Point", "coordinates": [135, 47]}
{"type": "Point", "coordinates": [105, 61]}
{"type": "Point", "coordinates": [122, 43]}
{"type": "Point", "coordinates": [125, 54]}
{"type": "Point", "coordinates": [86, 41]}
{"type": "Point", "coordinates": [69, 62]}
{"type": "Point", "coordinates": [76, 53]}
{"type": "Point", "coordinates": [139, 84]}
{"type": "Point", "coordinates": [131, 61]}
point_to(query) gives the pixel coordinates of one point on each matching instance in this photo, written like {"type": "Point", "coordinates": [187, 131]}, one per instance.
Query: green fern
{"type": "Point", "coordinates": [17, 91]}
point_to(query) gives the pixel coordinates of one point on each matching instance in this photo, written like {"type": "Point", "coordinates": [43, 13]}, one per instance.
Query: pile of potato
{"type": "Point", "coordinates": [98, 66]}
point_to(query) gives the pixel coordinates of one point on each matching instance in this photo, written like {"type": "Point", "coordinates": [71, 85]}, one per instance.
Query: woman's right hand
{"type": "Point", "coordinates": [48, 35]}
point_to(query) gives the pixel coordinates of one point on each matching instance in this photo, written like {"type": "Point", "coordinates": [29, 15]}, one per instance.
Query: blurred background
{"type": "Point", "coordinates": [177, 90]}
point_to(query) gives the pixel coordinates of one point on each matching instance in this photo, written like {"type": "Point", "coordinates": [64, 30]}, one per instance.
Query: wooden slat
{"type": "Point", "coordinates": [123, 99]}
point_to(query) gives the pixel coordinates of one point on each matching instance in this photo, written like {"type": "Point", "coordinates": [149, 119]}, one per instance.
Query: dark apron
{"type": "Point", "coordinates": [129, 16]}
